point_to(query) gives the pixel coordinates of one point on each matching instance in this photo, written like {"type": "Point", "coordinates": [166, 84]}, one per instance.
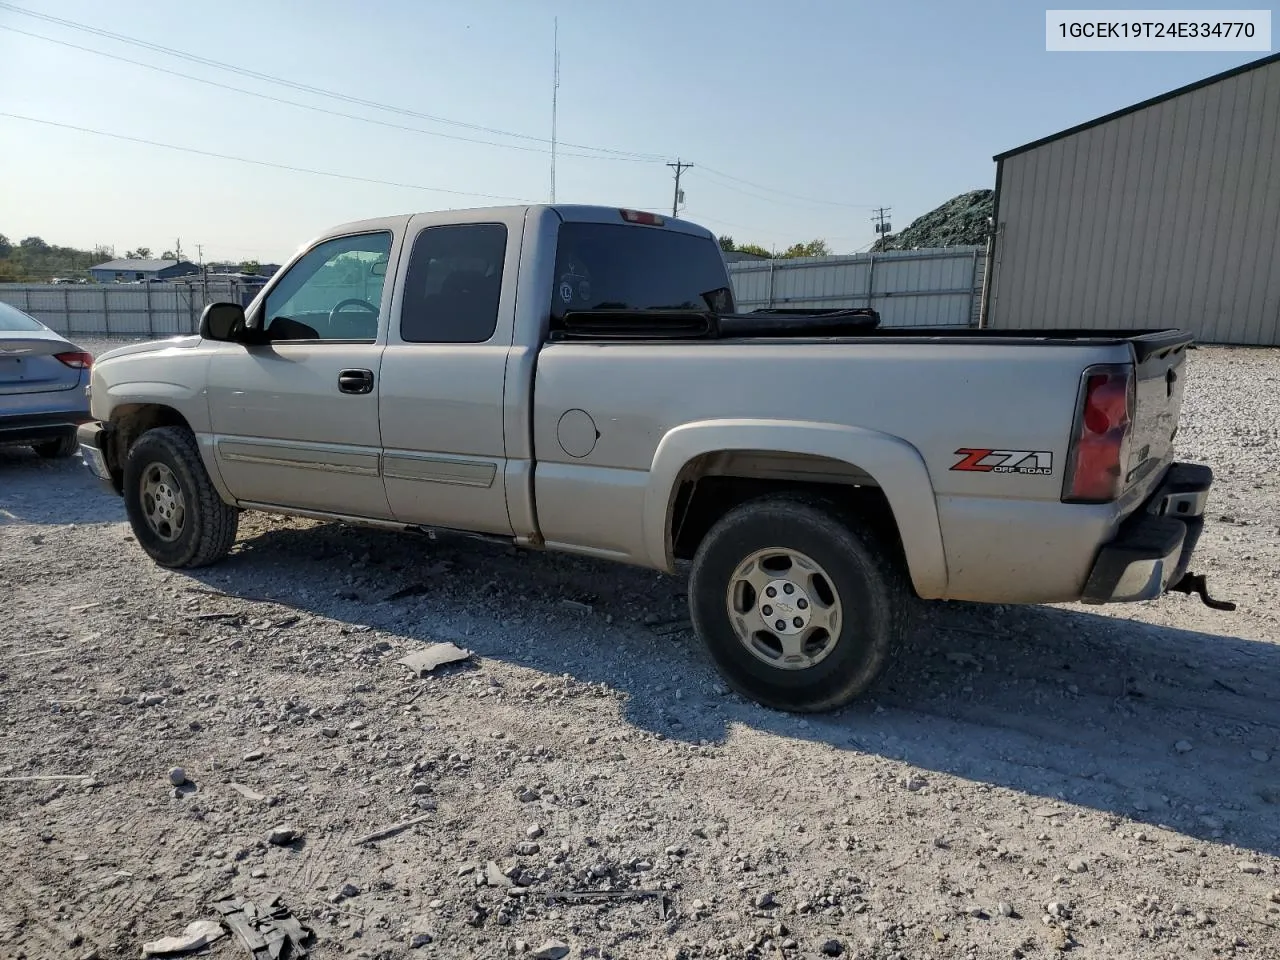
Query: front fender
{"type": "Point", "coordinates": [894, 464]}
{"type": "Point", "coordinates": [171, 374]}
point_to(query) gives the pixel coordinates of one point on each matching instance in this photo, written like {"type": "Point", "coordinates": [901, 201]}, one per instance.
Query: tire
{"type": "Point", "coordinates": [194, 527]}
{"type": "Point", "coordinates": [860, 589]}
{"type": "Point", "coordinates": [65, 446]}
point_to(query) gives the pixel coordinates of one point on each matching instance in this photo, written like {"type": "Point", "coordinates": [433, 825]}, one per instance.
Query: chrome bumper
{"type": "Point", "coordinates": [92, 438]}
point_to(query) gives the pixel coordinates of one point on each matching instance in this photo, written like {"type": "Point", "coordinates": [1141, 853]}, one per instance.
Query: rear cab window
{"type": "Point", "coordinates": [454, 284]}
{"type": "Point", "coordinates": [608, 266]}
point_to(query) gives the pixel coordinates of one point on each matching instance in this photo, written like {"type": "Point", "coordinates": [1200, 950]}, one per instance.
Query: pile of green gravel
{"type": "Point", "coordinates": [961, 221]}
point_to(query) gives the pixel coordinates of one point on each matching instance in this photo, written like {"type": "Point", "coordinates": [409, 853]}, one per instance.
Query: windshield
{"type": "Point", "coordinates": [11, 318]}
{"type": "Point", "coordinates": [604, 266]}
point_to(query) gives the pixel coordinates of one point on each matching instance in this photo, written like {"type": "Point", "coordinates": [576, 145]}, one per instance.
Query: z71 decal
{"type": "Point", "coordinates": [975, 460]}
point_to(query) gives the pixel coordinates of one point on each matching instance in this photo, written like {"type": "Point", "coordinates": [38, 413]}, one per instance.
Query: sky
{"type": "Point", "coordinates": [799, 118]}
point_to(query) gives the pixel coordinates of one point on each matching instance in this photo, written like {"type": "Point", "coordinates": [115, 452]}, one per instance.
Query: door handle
{"type": "Point", "coordinates": [355, 381]}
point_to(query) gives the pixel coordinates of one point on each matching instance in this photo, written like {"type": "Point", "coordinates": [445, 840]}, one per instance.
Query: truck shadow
{"type": "Point", "coordinates": [1158, 725]}
{"type": "Point", "coordinates": [55, 492]}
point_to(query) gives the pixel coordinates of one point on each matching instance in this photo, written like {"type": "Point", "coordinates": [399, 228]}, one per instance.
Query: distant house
{"type": "Point", "coordinates": [133, 271]}
{"type": "Point", "coordinates": [264, 269]}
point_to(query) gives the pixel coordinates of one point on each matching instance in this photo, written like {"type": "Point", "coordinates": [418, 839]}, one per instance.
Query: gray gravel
{"type": "Point", "coordinates": [944, 816]}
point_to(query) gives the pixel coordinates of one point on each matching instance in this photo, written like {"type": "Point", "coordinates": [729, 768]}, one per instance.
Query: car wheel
{"type": "Point", "coordinates": [65, 446]}
{"type": "Point", "coordinates": [797, 604]}
{"type": "Point", "coordinates": [176, 514]}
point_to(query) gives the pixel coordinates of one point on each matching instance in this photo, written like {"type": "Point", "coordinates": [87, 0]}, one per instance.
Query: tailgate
{"type": "Point", "coordinates": [1160, 360]}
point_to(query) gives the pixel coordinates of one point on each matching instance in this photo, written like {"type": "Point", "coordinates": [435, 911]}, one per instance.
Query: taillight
{"type": "Point", "coordinates": [641, 216]}
{"type": "Point", "coordinates": [1095, 467]}
{"type": "Point", "coordinates": [77, 359]}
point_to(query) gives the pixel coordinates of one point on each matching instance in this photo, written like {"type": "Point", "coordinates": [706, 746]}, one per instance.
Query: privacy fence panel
{"type": "Point", "coordinates": [909, 288]}
{"type": "Point", "coordinates": [125, 309]}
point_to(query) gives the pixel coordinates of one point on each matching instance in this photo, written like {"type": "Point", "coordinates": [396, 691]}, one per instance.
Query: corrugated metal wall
{"type": "Point", "coordinates": [1168, 216]}
{"type": "Point", "coordinates": [910, 288]}
{"type": "Point", "coordinates": [144, 309]}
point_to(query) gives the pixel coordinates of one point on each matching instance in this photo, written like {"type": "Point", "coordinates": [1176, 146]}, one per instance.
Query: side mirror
{"type": "Point", "coordinates": [379, 268]}
{"type": "Point", "coordinates": [222, 321]}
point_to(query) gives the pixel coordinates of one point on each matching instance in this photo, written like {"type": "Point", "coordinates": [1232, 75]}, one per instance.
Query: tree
{"type": "Point", "coordinates": [250, 266]}
{"type": "Point", "coordinates": [6, 247]}
{"type": "Point", "coordinates": [168, 255]}
{"type": "Point", "coordinates": [814, 248]}
{"type": "Point", "coordinates": [34, 245]}
{"type": "Point", "coordinates": [142, 253]}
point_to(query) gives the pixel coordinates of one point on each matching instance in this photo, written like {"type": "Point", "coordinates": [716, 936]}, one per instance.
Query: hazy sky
{"type": "Point", "coordinates": [825, 108]}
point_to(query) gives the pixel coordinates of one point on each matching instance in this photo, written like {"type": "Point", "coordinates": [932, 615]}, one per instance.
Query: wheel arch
{"type": "Point", "coordinates": [129, 421]}
{"type": "Point", "coordinates": [859, 465]}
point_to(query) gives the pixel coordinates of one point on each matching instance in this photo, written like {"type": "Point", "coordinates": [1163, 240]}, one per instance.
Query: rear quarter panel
{"type": "Point", "coordinates": [1006, 535]}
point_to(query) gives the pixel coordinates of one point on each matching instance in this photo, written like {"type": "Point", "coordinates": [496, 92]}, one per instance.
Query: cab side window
{"type": "Point", "coordinates": [454, 284]}
{"type": "Point", "coordinates": [334, 292]}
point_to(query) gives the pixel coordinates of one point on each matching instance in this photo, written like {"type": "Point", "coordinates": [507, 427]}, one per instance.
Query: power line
{"type": "Point", "coordinates": [881, 220]}
{"type": "Point", "coordinates": [265, 163]}
{"type": "Point", "coordinates": [597, 153]}
{"type": "Point", "coordinates": [309, 106]}
{"type": "Point", "coordinates": [794, 196]}
{"type": "Point", "coordinates": [307, 88]}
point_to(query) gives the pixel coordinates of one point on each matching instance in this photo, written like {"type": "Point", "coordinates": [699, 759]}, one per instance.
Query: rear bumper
{"type": "Point", "coordinates": [1153, 547]}
{"type": "Point", "coordinates": [93, 437]}
{"type": "Point", "coordinates": [30, 428]}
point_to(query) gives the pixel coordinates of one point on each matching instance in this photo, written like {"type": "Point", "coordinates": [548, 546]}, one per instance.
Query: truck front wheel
{"type": "Point", "coordinates": [176, 514]}
{"type": "Point", "coordinates": [798, 605]}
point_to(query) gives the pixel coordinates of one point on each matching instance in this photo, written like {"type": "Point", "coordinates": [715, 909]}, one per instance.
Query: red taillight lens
{"type": "Point", "coordinates": [81, 361]}
{"type": "Point", "coordinates": [640, 216]}
{"type": "Point", "coordinates": [1098, 450]}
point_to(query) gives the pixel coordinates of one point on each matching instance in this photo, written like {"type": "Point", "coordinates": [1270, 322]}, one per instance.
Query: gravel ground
{"type": "Point", "coordinates": [1024, 781]}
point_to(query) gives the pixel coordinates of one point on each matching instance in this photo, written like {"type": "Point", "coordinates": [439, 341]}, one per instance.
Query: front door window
{"type": "Point", "coordinates": [333, 293]}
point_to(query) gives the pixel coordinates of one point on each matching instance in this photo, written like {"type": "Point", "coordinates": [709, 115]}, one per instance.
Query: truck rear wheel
{"type": "Point", "coordinates": [176, 514]}
{"type": "Point", "coordinates": [798, 605]}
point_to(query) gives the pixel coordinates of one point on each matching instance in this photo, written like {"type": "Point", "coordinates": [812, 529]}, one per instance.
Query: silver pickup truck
{"type": "Point", "coordinates": [575, 378]}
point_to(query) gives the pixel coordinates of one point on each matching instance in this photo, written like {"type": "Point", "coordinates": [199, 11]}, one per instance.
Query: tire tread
{"type": "Point", "coordinates": [836, 523]}
{"type": "Point", "coordinates": [217, 521]}
{"type": "Point", "coordinates": [62, 448]}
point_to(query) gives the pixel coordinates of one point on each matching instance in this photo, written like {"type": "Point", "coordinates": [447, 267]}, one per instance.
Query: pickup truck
{"type": "Point", "coordinates": [575, 378]}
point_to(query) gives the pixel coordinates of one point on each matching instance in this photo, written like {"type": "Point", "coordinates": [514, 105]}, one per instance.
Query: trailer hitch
{"type": "Point", "coordinates": [1195, 583]}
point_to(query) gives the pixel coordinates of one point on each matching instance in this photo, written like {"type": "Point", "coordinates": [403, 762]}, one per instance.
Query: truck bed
{"type": "Point", "coordinates": [837, 325]}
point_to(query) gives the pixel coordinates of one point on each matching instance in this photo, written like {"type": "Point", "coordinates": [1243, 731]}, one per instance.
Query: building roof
{"type": "Point", "coordinates": [141, 266]}
{"type": "Point", "coordinates": [1206, 82]}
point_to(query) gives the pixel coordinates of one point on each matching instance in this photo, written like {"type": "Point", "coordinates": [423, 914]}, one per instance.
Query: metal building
{"type": "Point", "coordinates": [1166, 213]}
{"type": "Point", "coordinates": [137, 271]}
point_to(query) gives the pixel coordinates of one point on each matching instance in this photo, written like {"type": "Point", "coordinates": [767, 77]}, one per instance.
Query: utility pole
{"type": "Point", "coordinates": [200, 253]}
{"type": "Point", "coordinates": [678, 196]}
{"type": "Point", "coordinates": [555, 96]}
{"type": "Point", "coordinates": [177, 249]}
{"type": "Point", "coordinates": [881, 220]}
